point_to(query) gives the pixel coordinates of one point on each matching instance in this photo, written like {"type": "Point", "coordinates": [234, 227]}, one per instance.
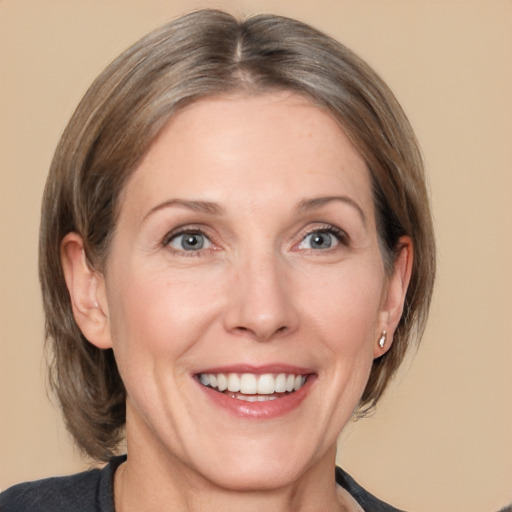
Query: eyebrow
{"type": "Point", "coordinates": [317, 202]}
{"type": "Point", "coordinates": [212, 208]}
{"type": "Point", "coordinates": [197, 206]}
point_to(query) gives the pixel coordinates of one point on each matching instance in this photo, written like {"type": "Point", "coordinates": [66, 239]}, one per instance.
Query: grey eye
{"type": "Point", "coordinates": [319, 240]}
{"type": "Point", "coordinates": [190, 242]}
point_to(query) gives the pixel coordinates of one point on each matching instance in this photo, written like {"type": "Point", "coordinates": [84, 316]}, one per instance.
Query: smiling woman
{"type": "Point", "coordinates": [236, 251]}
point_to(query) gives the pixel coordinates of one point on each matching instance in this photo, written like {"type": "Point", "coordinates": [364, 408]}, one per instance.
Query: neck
{"type": "Point", "coordinates": [154, 480]}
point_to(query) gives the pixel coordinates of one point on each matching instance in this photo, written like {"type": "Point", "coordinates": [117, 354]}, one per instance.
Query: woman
{"type": "Point", "coordinates": [236, 251]}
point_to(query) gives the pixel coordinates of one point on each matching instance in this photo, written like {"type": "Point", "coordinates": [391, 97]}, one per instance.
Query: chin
{"type": "Point", "coordinates": [263, 475]}
{"type": "Point", "coordinates": [259, 465]}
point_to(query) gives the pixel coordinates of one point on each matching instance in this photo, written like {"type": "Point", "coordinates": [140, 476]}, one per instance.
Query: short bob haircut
{"type": "Point", "coordinates": [203, 54]}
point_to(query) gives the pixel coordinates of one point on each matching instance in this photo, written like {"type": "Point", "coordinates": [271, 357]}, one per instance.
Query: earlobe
{"type": "Point", "coordinates": [86, 289]}
{"type": "Point", "coordinates": [394, 299]}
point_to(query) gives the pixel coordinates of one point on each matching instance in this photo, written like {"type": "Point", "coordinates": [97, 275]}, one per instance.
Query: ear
{"type": "Point", "coordinates": [394, 297]}
{"type": "Point", "coordinates": [87, 292]}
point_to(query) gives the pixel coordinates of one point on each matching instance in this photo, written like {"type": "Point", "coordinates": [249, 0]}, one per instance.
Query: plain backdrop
{"type": "Point", "coordinates": [441, 439]}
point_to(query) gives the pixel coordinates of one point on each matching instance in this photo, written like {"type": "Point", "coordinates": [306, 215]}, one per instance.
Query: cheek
{"type": "Point", "coordinates": [345, 306]}
{"type": "Point", "coordinates": [153, 315]}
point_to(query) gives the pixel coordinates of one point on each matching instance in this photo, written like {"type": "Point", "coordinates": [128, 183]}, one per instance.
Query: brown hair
{"type": "Point", "coordinates": [203, 54]}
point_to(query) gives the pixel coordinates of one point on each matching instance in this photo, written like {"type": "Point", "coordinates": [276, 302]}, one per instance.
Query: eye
{"type": "Point", "coordinates": [321, 239]}
{"type": "Point", "coordinates": [189, 241]}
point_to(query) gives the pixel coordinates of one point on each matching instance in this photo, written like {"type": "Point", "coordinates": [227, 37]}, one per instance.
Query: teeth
{"type": "Point", "coordinates": [257, 387]}
{"type": "Point", "coordinates": [254, 398]}
{"type": "Point", "coordinates": [249, 384]}
{"type": "Point", "coordinates": [233, 382]}
{"type": "Point", "coordinates": [280, 384]}
{"type": "Point", "coordinates": [266, 384]}
{"type": "Point", "coordinates": [290, 381]}
{"type": "Point", "coordinates": [222, 382]}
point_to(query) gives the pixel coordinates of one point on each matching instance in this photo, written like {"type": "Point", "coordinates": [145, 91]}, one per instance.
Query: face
{"type": "Point", "coordinates": [245, 292]}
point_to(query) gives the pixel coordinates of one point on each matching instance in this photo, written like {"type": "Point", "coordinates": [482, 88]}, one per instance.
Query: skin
{"type": "Point", "coordinates": [258, 292]}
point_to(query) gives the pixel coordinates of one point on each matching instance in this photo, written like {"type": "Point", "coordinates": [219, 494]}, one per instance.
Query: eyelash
{"type": "Point", "coordinates": [340, 235]}
{"type": "Point", "coordinates": [170, 237]}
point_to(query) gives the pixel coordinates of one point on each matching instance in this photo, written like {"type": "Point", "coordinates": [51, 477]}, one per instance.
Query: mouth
{"type": "Point", "coordinates": [252, 387]}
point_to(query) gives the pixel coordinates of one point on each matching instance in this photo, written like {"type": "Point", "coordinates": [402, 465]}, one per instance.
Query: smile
{"type": "Point", "coordinates": [252, 387]}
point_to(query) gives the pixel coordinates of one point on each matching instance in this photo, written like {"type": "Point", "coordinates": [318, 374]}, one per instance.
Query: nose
{"type": "Point", "coordinates": [260, 303]}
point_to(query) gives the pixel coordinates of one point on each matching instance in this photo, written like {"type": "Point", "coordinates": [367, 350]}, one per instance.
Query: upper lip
{"type": "Point", "coordinates": [258, 369]}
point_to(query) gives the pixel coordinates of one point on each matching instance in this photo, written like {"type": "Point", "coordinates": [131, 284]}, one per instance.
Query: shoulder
{"type": "Point", "coordinates": [51, 494]}
{"type": "Point", "coordinates": [90, 491]}
{"type": "Point", "coordinates": [364, 498]}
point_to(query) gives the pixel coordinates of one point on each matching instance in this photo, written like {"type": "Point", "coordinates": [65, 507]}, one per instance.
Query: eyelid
{"type": "Point", "coordinates": [183, 231]}
{"type": "Point", "coordinates": [206, 241]}
{"type": "Point", "coordinates": [340, 235]}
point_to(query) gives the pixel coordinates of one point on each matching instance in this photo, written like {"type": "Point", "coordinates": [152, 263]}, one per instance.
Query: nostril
{"type": "Point", "coordinates": [260, 334]}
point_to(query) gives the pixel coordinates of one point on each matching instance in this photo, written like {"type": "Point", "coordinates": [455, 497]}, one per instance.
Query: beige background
{"type": "Point", "coordinates": [441, 439]}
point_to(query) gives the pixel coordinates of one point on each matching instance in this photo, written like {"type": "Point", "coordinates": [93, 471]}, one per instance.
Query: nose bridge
{"type": "Point", "coordinates": [261, 305]}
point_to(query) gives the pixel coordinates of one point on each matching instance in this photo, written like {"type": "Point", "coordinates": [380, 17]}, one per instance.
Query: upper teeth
{"type": "Point", "coordinates": [252, 384]}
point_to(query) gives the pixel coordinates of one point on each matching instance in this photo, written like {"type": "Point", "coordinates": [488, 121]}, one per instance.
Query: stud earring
{"type": "Point", "coordinates": [382, 340]}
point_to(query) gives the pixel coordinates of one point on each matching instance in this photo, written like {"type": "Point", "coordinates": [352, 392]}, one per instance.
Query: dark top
{"type": "Point", "coordinates": [92, 491]}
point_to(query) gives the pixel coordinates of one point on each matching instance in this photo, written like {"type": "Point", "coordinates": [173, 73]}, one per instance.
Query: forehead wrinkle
{"type": "Point", "coordinates": [317, 202]}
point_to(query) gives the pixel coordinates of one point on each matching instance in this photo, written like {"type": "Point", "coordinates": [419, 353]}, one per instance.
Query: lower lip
{"type": "Point", "coordinates": [259, 410]}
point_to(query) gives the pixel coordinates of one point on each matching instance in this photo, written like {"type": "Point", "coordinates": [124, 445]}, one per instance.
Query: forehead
{"type": "Point", "coordinates": [251, 145]}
